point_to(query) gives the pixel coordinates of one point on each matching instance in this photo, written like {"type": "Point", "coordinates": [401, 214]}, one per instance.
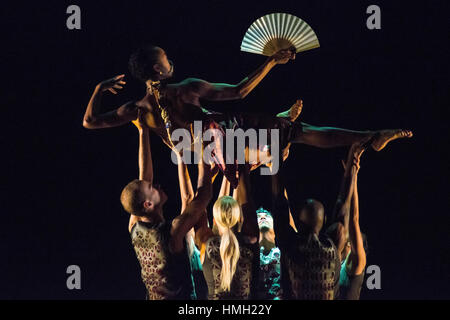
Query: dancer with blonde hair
{"type": "Point", "coordinates": [231, 257]}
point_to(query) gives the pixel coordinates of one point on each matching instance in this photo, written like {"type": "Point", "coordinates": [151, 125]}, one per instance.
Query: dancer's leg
{"type": "Point", "coordinates": [329, 137]}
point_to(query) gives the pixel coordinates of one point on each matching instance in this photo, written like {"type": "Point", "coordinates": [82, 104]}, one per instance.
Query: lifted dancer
{"type": "Point", "coordinates": [172, 106]}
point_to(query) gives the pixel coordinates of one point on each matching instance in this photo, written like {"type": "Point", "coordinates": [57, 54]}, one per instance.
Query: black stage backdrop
{"type": "Point", "coordinates": [61, 183]}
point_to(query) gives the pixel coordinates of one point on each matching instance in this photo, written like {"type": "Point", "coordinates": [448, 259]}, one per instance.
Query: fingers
{"type": "Point", "coordinates": [112, 90]}
{"type": "Point", "coordinates": [120, 76]}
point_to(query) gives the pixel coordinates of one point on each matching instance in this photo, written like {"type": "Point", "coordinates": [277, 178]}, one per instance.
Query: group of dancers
{"type": "Point", "coordinates": [249, 253]}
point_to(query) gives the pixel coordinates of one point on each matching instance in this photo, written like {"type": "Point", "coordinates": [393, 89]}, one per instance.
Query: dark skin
{"type": "Point", "coordinates": [183, 97]}
{"type": "Point", "coordinates": [183, 101]}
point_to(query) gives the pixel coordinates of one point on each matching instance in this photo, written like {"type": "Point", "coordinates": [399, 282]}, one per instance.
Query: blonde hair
{"type": "Point", "coordinates": [228, 215]}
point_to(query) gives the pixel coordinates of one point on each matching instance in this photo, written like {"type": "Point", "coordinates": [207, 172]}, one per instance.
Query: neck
{"type": "Point", "coordinates": [156, 217]}
{"type": "Point", "coordinates": [267, 240]}
{"type": "Point", "coordinates": [269, 235]}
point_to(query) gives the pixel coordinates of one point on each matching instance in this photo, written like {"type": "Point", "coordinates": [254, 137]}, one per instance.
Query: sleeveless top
{"type": "Point", "coordinates": [245, 277]}
{"type": "Point", "coordinates": [269, 285]}
{"type": "Point", "coordinates": [165, 275]}
{"type": "Point", "coordinates": [313, 265]}
{"type": "Point", "coordinates": [349, 286]}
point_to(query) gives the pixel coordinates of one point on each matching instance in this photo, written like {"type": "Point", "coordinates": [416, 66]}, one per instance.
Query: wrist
{"type": "Point", "coordinates": [98, 88]}
{"type": "Point", "coordinates": [271, 62]}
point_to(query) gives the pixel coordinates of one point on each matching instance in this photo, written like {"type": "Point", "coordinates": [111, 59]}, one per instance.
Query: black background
{"type": "Point", "coordinates": [61, 183]}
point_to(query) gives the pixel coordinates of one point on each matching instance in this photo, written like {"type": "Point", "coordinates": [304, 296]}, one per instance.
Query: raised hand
{"type": "Point", "coordinates": [140, 122]}
{"type": "Point", "coordinates": [283, 56]}
{"type": "Point", "coordinates": [112, 84]}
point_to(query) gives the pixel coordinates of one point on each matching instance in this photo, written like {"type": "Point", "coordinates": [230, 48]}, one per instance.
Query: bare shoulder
{"type": "Point", "coordinates": [189, 89]}
{"type": "Point", "coordinates": [192, 85]}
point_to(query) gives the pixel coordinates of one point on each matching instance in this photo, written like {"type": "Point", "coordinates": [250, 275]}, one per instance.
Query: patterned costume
{"type": "Point", "coordinates": [165, 275]}
{"type": "Point", "coordinates": [244, 279]}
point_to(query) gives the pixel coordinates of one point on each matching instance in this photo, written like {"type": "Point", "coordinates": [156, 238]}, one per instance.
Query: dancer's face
{"type": "Point", "coordinates": [164, 66]}
{"type": "Point", "coordinates": [265, 220]}
{"type": "Point", "coordinates": [154, 196]}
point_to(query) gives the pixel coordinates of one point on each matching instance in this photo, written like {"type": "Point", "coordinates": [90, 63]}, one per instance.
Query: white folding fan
{"type": "Point", "coordinates": [277, 31]}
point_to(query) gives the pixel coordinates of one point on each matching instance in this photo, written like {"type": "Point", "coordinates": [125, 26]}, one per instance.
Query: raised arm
{"type": "Point", "coordinates": [340, 219]}
{"type": "Point", "coordinates": [280, 210]}
{"type": "Point", "coordinates": [145, 153]}
{"type": "Point", "coordinates": [358, 254]}
{"type": "Point", "coordinates": [194, 209]}
{"type": "Point", "coordinates": [242, 194]}
{"type": "Point", "coordinates": [144, 157]}
{"type": "Point", "coordinates": [93, 119]}
{"type": "Point", "coordinates": [224, 187]}
{"type": "Point", "coordinates": [184, 180]}
{"type": "Point", "coordinates": [197, 88]}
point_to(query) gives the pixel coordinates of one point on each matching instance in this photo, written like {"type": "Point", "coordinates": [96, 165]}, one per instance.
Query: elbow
{"type": "Point", "coordinates": [88, 123]}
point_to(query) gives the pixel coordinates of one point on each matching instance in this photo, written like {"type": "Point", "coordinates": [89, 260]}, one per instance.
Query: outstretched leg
{"type": "Point", "coordinates": [329, 137]}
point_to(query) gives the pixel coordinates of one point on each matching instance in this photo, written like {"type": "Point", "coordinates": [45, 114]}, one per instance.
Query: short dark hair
{"type": "Point", "coordinates": [131, 198]}
{"type": "Point", "coordinates": [142, 60]}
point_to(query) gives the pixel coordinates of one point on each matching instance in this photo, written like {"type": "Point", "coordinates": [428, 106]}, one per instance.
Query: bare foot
{"type": "Point", "coordinates": [295, 110]}
{"type": "Point", "coordinates": [383, 137]}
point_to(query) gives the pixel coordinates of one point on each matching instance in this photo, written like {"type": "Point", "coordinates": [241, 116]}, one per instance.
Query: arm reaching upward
{"type": "Point", "coordinates": [341, 211]}
{"type": "Point", "coordinates": [358, 254]}
{"type": "Point", "coordinates": [224, 187]}
{"type": "Point", "coordinates": [280, 210]}
{"type": "Point", "coordinates": [242, 194]}
{"type": "Point", "coordinates": [186, 190]}
{"type": "Point", "coordinates": [144, 157]}
{"type": "Point", "coordinates": [194, 209]}
{"type": "Point", "coordinates": [93, 119]}
{"type": "Point", "coordinates": [197, 88]}
{"type": "Point", "coordinates": [145, 154]}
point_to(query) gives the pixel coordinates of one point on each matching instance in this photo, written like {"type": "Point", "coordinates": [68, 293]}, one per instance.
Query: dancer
{"type": "Point", "coordinates": [173, 106]}
{"type": "Point", "coordinates": [269, 286]}
{"type": "Point", "coordinates": [159, 244]}
{"type": "Point", "coordinates": [313, 258]}
{"type": "Point", "coordinates": [231, 259]}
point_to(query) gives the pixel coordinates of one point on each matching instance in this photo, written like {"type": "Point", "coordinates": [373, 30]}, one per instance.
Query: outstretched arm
{"type": "Point", "coordinates": [145, 154]}
{"type": "Point", "coordinates": [144, 157]}
{"type": "Point", "coordinates": [280, 210]}
{"type": "Point", "coordinates": [197, 88]}
{"type": "Point", "coordinates": [186, 190]}
{"type": "Point", "coordinates": [224, 187]}
{"type": "Point", "coordinates": [340, 218]}
{"type": "Point", "coordinates": [93, 119]}
{"type": "Point", "coordinates": [242, 194]}
{"type": "Point", "coordinates": [194, 209]}
{"type": "Point", "coordinates": [358, 254]}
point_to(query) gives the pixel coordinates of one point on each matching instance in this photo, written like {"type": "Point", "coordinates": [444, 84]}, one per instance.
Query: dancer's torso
{"type": "Point", "coordinates": [245, 277]}
{"type": "Point", "coordinates": [165, 275]}
{"type": "Point", "coordinates": [181, 114]}
{"type": "Point", "coordinates": [314, 266]}
{"type": "Point", "coordinates": [349, 285]}
{"type": "Point", "coordinates": [269, 284]}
